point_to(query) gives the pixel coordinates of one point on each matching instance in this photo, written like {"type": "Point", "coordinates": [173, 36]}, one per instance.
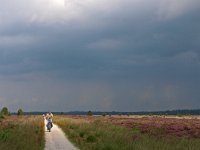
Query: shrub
{"type": "Point", "coordinates": [81, 134]}
{"type": "Point", "coordinates": [89, 113]}
{"type": "Point", "coordinates": [5, 111]}
{"type": "Point", "coordinates": [20, 112]}
{"type": "Point", "coordinates": [91, 138]}
{"type": "Point", "coordinates": [104, 114]}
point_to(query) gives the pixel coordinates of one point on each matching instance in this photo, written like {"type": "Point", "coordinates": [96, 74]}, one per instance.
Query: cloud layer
{"type": "Point", "coordinates": [128, 55]}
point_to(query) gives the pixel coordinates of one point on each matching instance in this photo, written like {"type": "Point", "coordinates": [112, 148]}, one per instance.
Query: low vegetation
{"type": "Point", "coordinates": [99, 133]}
{"type": "Point", "coordinates": [22, 133]}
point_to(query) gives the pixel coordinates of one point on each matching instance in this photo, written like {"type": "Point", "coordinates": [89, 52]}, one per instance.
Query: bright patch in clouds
{"type": "Point", "coordinates": [60, 3]}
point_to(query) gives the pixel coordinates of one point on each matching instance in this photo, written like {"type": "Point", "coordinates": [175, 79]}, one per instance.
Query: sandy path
{"type": "Point", "coordinates": [56, 140]}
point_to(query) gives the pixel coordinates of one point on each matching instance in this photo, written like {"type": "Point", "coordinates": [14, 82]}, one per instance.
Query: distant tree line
{"type": "Point", "coordinates": [167, 112]}
{"type": "Point", "coordinates": [5, 111]}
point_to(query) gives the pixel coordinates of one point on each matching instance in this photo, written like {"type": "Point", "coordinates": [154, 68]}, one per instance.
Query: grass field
{"type": "Point", "coordinates": [108, 133]}
{"type": "Point", "coordinates": [22, 133]}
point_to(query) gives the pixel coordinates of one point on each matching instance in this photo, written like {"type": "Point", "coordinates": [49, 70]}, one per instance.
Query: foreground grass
{"type": "Point", "coordinates": [22, 133]}
{"type": "Point", "coordinates": [98, 135]}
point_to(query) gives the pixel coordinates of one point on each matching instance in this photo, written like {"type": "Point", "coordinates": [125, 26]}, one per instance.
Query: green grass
{"type": "Point", "coordinates": [22, 133]}
{"type": "Point", "coordinates": [98, 135]}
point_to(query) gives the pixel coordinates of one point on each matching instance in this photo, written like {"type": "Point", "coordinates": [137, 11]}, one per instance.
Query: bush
{"type": "Point", "coordinates": [81, 134]}
{"type": "Point", "coordinates": [5, 111]}
{"type": "Point", "coordinates": [20, 112]}
{"type": "Point", "coordinates": [91, 138]}
{"type": "Point", "coordinates": [89, 113]}
{"type": "Point", "coordinates": [104, 114]}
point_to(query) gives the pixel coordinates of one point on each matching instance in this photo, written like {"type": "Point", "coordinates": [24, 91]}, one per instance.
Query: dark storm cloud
{"type": "Point", "coordinates": [116, 55]}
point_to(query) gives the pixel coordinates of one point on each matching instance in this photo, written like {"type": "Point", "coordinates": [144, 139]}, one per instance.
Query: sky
{"type": "Point", "coordinates": [99, 55]}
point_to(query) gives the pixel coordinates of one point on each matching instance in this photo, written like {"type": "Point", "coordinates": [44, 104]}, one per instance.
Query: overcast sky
{"type": "Point", "coordinates": [104, 55]}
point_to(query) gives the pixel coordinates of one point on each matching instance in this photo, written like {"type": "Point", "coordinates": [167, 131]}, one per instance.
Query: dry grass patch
{"type": "Point", "coordinates": [22, 133]}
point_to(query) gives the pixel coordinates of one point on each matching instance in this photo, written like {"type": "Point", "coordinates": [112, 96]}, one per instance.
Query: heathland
{"type": "Point", "coordinates": [118, 132]}
{"type": "Point", "coordinates": [131, 133]}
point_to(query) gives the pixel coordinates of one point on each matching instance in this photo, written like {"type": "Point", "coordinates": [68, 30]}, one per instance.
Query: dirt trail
{"type": "Point", "coordinates": [56, 139]}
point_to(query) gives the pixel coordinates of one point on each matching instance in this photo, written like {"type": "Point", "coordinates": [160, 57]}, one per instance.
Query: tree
{"type": "Point", "coordinates": [89, 113]}
{"type": "Point", "coordinates": [20, 112]}
{"type": "Point", "coordinates": [104, 114]}
{"type": "Point", "coordinates": [5, 111]}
